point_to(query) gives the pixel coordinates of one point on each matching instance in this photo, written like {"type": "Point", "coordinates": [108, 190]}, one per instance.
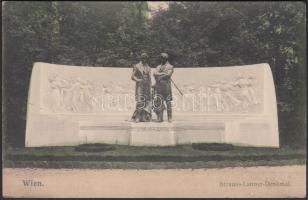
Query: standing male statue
{"type": "Point", "coordinates": [142, 76]}
{"type": "Point", "coordinates": [162, 88]}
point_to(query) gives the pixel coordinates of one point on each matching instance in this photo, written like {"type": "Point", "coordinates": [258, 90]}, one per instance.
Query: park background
{"type": "Point", "coordinates": [195, 34]}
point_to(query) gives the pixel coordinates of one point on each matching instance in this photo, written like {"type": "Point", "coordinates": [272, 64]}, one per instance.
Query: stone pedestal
{"type": "Point", "coordinates": [127, 133]}
{"type": "Point", "coordinates": [107, 132]}
{"type": "Point", "coordinates": [152, 134]}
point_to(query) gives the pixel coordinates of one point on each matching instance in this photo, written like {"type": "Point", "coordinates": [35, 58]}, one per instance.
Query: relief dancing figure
{"type": "Point", "coordinates": [246, 90]}
{"type": "Point", "coordinates": [58, 86]}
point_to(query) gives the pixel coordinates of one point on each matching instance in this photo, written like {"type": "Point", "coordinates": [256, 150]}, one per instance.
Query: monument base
{"type": "Point", "coordinates": [152, 134]}
{"type": "Point", "coordinates": [237, 130]}
{"type": "Point", "coordinates": [70, 105]}
{"type": "Point", "coordinates": [127, 133]}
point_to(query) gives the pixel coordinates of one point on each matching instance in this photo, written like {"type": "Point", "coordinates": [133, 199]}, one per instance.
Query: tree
{"type": "Point", "coordinates": [195, 34]}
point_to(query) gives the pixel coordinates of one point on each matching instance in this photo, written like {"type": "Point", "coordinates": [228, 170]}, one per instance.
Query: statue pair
{"type": "Point", "coordinates": [152, 97]}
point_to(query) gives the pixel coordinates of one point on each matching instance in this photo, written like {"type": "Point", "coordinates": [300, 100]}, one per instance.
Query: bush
{"type": "Point", "coordinates": [96, 147]}
{"type": "Point", "coordinates": [212, 146]}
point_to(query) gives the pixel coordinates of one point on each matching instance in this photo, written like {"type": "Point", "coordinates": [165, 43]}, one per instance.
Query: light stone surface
{"type": "Point", "coordinates": [71, 105]}
{"type": "Point", "coordinates": [152, 134]}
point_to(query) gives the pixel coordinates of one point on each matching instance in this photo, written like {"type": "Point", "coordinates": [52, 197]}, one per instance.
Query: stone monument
{"type": "Point", "coordinates": [71, 105]}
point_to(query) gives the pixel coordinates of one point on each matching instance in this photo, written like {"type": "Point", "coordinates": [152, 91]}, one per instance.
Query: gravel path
{"type": "Point", "coordinates": [285, 181]}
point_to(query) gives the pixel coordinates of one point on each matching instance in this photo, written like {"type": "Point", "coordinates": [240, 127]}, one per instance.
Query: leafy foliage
{"type": "Point", "coordinates": [195, 34]}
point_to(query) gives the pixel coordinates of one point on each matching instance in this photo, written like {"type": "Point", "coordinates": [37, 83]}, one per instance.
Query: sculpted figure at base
{"type": "Point", "coordinates": [142, 76]}
{"type": "Point", "coordinates": [162, 88]}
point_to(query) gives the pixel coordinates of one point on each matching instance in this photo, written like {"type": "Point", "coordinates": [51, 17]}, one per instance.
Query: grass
{"type": "Point", "coordinates": [129, 157]}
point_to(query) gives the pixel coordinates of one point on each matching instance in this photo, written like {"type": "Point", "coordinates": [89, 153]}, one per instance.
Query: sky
{"type": "Point", "coordinates": [156, 5]}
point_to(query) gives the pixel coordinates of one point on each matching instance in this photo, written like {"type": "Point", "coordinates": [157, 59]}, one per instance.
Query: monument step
{"type": "Point", "coordinates": [91, 125]}
{"type": "Point", "coordinates": [150, 133]}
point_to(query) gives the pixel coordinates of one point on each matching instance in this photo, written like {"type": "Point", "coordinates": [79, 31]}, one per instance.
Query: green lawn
{"type": "Point", "coordinates": [129, 157]}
